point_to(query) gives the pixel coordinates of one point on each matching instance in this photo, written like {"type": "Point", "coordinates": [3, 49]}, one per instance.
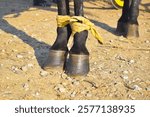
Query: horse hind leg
{"type": "Point", "coordinates": [132, 27]}
{"type": "Point", "coordinates": [128, 24]}
{"type": "Point", "coordinates": [58, 52]}
{"type": "Point", "coordinates": [122, 22]}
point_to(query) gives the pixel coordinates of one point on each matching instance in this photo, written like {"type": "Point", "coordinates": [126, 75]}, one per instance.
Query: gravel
{"type": "Point", "coordinates": [25, 86]}
{"type": "Point", "coordinates": [136, 88]}
{"type": "Point", "coordinates": [24, 68]}
{"type": "Point", "coordinates": [73, 94]}
{"type": "Point", "coordinates": [60, 88]}
{"type": "Point", "coordinates": [15, 69]}
{"type": "Point", "coordinates": [125, 72]}
{"type": "Point", "coordinates": [131, 61]}
{"type": "Point", "coordinates": [43, 73]}
{"type": "Point", "coordinates": [125, 77]}
{"type": "Point", "coordinates": [19, 56]}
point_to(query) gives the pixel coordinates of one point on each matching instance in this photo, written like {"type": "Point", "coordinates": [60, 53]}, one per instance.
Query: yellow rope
{"type": "Point", "coordinates": [62, 21]}
{"type": "Point", "coordinates": [79, 24]}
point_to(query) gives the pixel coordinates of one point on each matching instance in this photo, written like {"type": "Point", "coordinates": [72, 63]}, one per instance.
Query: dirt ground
{"type": "Point", "coordinates": [119, 69]}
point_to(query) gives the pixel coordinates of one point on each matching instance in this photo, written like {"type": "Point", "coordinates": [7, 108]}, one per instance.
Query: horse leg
{"type": "Point", "coordinates": [59, 50]}
{"type": "Point", "coordinates": [41, 3]}
{"type": "Point", "coordinates": [122, 22]}
{"type": "Point", "coordinates": [78, 62]}
{"type": "Point", "coordinates": [132, 27]}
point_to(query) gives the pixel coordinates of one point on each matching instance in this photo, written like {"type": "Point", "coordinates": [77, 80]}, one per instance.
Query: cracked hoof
{"type": "Point", "coordinates": [132, 30]}
{"type": "Point", "coordinates": [56, 58]}
{"type": "Point", "coordinates": [121, 28]}
{"type": "Point", "coordinates": [77, 65]}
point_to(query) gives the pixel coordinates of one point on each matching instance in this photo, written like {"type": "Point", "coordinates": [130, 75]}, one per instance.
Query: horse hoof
{"type": "Point", "coordinates": [132, 30]}
{"type": "Point", "coordinates": [56, 58]}
{"type": "Point", "coordinates": [121, 28]}
{"type": "Point", "coordinates": [77, 65]}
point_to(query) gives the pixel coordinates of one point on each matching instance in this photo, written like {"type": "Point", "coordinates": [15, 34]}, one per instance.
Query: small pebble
{"type": "Point", "coordinates": [121, 38]}
{"type": "Point", "coordinates": [36, 14]}
{"type": "Point", "coordinates": [15, 69]}
{"type": "Point", "coordinates": [3, 50]}
{"type": "Point", "coordinates": [125, 72]}
{"type": "Point", "coordinates": [75, 82]}
{"type": "Point", "coordinates": [29, 52]}
{"type": "Point", "coordinates": [148, 88]}
{"type": "Point", "coordinates": [125, 77]}
{"type": "Point", "coordinates": [131, 97]}
{"type": "Point", "coordinates": [95, 63]}
{"type": "Point", "coordinates": [7, 78]}
{"type": "Point", "coordinates": [33, 57]}
{"type": "Point", "coordinates": [30, 65]}
{"type": "Point", "coordinates": [43, 73]}
{"type": "Point", "coordinates": [70, 79]}
{"type": "Point", "coordinates": [24, 68]}
{"type": "Point", "coordinates": [19, 56]}
{"type": "Point", "coordinates": [14, 50]}
{"type": "Point", "coordinates": [1, 65]}
{"type": "Point", "coordinates": [88, 95]}
{"type": "Point", "coordinates": [147, 41]}
{"type": "Point", "coordinates": [136, 88]}
{"type": "Point", "coordinates": [25, 86]}
{"type": "Point", "coordinates": [111, 41]}
{"type": "Point", "coordinates": [45, 19]}
{"type": "Point", "coordinates": [63, 75]}
{"type": "Point", "coordinates": [14, 36]}
{"type": "Point", "coordinates": [60, 88]}
{"type": "Point", "coordinates": [131, 61]}
{"type": "Point", "coordinates": [37, 93]}
{"type": "Point", "coordinates": [83, 92]}
{"type": "Point", "coordinates": [120, 58]}
{"type": "Point", "coordinates": [73, 94]}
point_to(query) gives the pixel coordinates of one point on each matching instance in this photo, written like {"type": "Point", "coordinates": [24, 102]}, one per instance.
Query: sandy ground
{"type": "Point", "coordinates": [119, 69]}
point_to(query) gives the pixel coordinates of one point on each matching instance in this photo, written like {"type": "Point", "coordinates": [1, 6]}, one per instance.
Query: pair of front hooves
{"type": "Point", "coordinates": [74, 65]}
{"type": "Point", "coordinates": [127, 30]}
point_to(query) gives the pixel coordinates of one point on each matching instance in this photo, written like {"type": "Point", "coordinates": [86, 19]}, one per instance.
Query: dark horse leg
{"type": "Point", "coordinates": [128, 24]}
{"type": "Point", "coordinates": [59, 50]}
{"type": "Point", "coordinates": [122, 22]}
{"type": "Point", "coordinates": [41, 3]}
{"type": "Point", "coordinates": [132, 29]}
{"type": "Point", "coordinates": [78, 63]}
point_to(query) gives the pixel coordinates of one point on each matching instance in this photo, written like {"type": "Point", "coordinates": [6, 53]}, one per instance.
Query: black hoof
{"type": "Point", "coordinates": [132, 30]}
{"type": "Point", "coordinates": [121, 28]}
{"type": "Point", "coordinates": [77, 65]}
{"type": "Point", "coordinates": [56, 58]}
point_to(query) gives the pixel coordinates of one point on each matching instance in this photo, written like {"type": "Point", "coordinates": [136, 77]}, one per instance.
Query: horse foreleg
{"type": "Point", "coordinates": [59, 50]}
{"type": "Point", "coordinates": [78, 63]}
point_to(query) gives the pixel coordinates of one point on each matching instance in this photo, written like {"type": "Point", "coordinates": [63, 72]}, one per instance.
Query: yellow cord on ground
{"type": "Point", "coordinates": [79, 24]}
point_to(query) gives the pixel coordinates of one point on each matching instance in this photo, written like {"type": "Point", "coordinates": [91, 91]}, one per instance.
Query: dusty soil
{"type": "Point", "coordinates": [119, 69]}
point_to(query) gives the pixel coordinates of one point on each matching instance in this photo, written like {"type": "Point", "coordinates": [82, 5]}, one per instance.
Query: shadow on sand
{"type": "Point", "coordinates": [6, 8]}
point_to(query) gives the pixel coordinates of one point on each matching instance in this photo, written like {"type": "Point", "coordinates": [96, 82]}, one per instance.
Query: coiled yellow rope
{"type": "Point", "coordinates": [78, 24]}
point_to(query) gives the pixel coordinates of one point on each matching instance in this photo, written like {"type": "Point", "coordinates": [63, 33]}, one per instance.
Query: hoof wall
{"type": "Point", "coordinates": [132, 30]}
{"type": "Point", "coordinates": [77, 65]}
{"type": "Point", "coordinates": [56, 58]}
